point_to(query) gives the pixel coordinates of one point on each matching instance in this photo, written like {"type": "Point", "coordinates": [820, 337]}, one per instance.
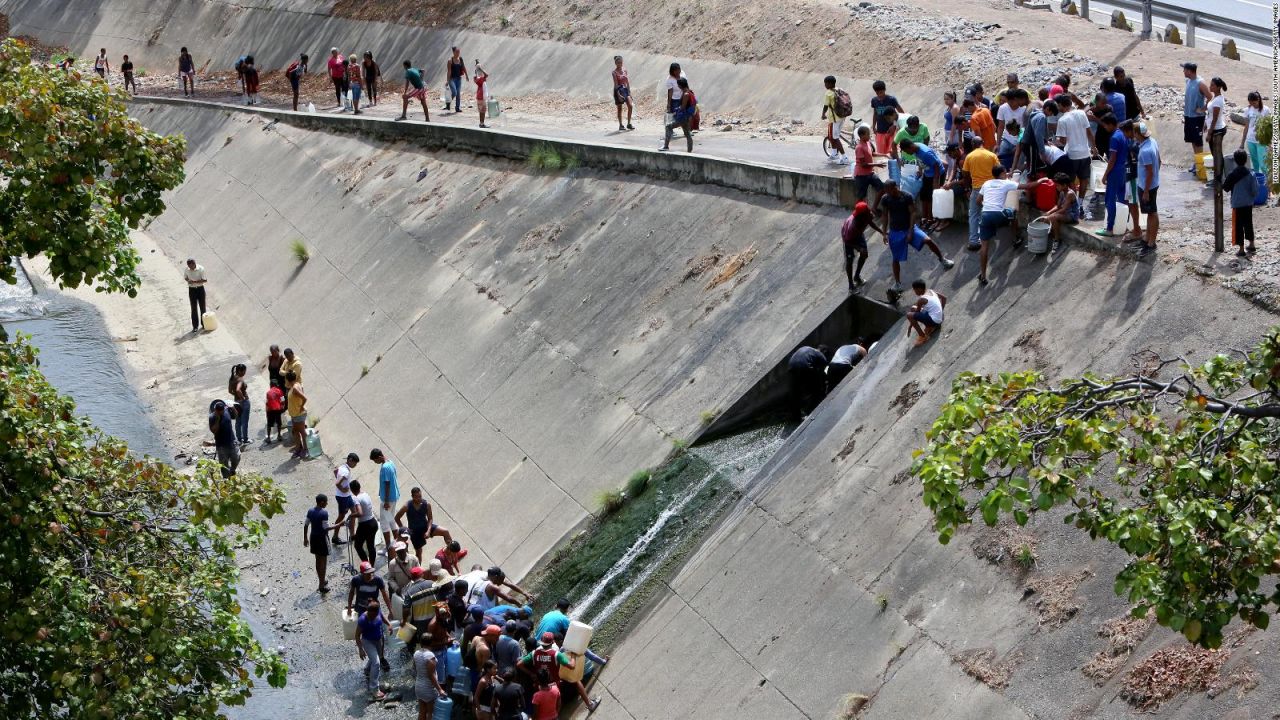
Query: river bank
{"type": "Point", "coordinates": [173, 374]}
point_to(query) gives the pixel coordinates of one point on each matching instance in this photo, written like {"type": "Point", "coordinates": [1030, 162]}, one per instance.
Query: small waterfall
{"type": "Point", "coordinates": [735, 459]}
{"type": "Point", "coordinates": [19, 301]}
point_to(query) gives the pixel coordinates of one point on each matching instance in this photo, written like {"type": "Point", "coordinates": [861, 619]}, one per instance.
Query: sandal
{"type": "Point", "coordinates": [1251, 249]}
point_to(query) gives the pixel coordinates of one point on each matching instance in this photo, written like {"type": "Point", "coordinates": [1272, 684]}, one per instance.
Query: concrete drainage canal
{"type": "Point", "coordinates": [644, 531]}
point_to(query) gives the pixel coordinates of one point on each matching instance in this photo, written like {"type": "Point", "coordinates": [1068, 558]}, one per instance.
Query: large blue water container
{"type": "Point", "coordinates": [895, 171]}
{"type": "Point", "coordinates": [1264, 190]}
{"type": "Point", "coordinates": [443, 709]}
{"type": "Point", "coordinates": [453, 661]}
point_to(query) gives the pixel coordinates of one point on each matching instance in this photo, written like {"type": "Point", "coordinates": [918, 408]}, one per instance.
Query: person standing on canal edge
{"type": "Point", "coordinates": [455, 72]}
{"type": "Point", "coordinates": [194, 275]}
{"type": "Point", "coordinates": [186, 72]}
{"type": "Point", "coordinates": [621, 91]}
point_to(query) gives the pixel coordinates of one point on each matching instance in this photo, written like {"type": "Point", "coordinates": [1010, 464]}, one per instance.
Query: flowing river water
{"type": "Point", "coordinates": [81, 359]}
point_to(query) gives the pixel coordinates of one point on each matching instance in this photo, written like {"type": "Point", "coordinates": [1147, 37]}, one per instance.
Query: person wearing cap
{"type": "Point", "coordinates": [388, 494]}
{"type": "Point", "coordinates": [421, 521]}
{"type": "Point", "coordinates": [450, 555]}
{"type": "Point", "coordinates": [1195, 101]}
{"type": "Point", "coordinates": [399, 567]}
{"type": "Point", "coordinates": [337, 74]}
{"type": "Point", "coordinates": [419, 600]}
{"type": "Point", "coordinates": [482, 648]}
{"type": "Point", "coordinates": [548, 658]}
{"type": "Point", "coordinates": [366, 587]}
{"type": "Point", "coordinates": [1148, 183]}
{"type": "Point", "coordinates": [370, 639]}
{"type": "Point", "coordinates": [342, 491]}
{"type": "Point", "coordinates": [853, 235]}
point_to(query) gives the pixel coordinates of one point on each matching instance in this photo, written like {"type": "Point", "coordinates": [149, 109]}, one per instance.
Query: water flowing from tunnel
{"type": "Point", "coordinates": [735, 459]}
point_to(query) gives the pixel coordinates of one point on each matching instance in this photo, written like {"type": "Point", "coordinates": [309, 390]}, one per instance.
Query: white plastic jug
{"type": "Point", "coordinates": [397, 607]}
{"type": "Point", "coordinates": [210, 321]}
{"type": "Point", "coordinates": [311, 107]}
{"type": "Point", "coordinates": [944, 207]}
{"type": "Point", "coordinates": [349, 627]}
{"type": "Point", "coordinates": [1096, 170]}
{"type": "Point", "coordinates": [577, 638]}
{"type": "Point", "coordinates": [1012, 199]}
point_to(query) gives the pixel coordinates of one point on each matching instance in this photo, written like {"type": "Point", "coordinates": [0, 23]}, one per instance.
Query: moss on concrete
{"type": "Point", "coordinates": [577, 566]}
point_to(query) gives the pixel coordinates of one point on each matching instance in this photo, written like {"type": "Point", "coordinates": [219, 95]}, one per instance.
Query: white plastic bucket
{"type": "Point", "coordinates": [944, 204]}
{"type": "Point", "coordinates": [1038, 236]}
{"type": "Point", "coordinates": [349, 618]}
{"type": "Point", "coordinates": [577, 638]}
{"type": "Point", "coordinates": [1097, 169]}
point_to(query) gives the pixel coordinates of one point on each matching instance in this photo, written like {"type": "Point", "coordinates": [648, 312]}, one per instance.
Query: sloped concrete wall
{"type": "Point", "coordinates": [275, 32]}
{"type": "Point", "coordinates": [540, 336]}
{"type": "Point", "coordinates": [783, 601]}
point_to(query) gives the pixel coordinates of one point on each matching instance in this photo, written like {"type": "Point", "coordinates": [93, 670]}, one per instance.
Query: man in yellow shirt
{"type": "Point", "coordinates": [297, 414]}
{"type": "Point", "coordinates": [977, 168]}
{"type": "Point", "coordinates": [291, 364]}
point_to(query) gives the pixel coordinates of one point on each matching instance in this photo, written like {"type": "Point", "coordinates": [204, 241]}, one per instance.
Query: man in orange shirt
{"type": "Point", "coordinates": [981, 122]}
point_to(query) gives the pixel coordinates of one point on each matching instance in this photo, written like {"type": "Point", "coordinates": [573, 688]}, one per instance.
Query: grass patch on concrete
{"type": "Point", "coordinates": [577, 566]}
{"type": "Point", "coordinates": [546, 157]}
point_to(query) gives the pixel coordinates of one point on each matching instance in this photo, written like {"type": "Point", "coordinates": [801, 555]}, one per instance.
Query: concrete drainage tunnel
{"type": "Point", "coordinates": [583, 363]}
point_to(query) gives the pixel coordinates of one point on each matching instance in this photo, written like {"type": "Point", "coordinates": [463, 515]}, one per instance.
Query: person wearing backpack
{"type": "Point", "coordinates": [837, 107]}
{"type": "Point", "coordinates": [294, 74]}
{"type": "Point", "coordinates": [250, 82]}
{"type": "Point", "coordinates": [414, 88]}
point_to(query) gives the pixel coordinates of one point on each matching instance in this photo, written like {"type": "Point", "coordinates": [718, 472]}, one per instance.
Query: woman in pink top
{"type": "Point", "coordinates": [621, 91]}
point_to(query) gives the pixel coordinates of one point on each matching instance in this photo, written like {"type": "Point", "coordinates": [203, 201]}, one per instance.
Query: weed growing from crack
{"type": "Point", "coordinates": [300, 251]}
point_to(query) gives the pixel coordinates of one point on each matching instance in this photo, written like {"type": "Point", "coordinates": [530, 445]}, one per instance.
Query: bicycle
{"type": "Point", "coordinates": [846, 136]}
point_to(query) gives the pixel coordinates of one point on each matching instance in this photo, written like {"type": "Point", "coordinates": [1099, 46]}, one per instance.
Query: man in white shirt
{"type": "Point", "coordinates": [925, 317]}
{"type": "Point", "coordinates": [843, 360]}
{"type": "Point", "coordinates": [342, 490]}
{"type": "Point", "coordinates": [995, 215]}
{"type": "Point", "coordinates": [194, 275]}
{"type": "Point", "coordinates": [1077, 139]}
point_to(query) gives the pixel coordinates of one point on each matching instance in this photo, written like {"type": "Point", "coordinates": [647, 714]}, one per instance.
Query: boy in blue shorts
{"type": "Point", "coordinates": [899, 211]}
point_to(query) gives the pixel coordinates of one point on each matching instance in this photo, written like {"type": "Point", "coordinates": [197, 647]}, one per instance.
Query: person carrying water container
{"type": "Point", "coordinates": [549, 659]}
{"type": "Point", "coordinates": [682, 117]}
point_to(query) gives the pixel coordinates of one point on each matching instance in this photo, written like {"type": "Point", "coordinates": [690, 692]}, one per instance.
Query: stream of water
{"type": "Point", "coordinates": [736, 459]}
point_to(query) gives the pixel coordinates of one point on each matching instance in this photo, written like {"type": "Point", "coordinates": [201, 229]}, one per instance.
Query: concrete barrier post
{"type": "Point", "coordinates": [1192, 18]}
{"type": "Point", "coordinates": [1146, 20]}
{"type": "Point", "coordinates": [1084, 9]}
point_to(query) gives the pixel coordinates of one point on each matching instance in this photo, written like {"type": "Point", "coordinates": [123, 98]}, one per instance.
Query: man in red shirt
{"type": "Point", "coordinates": [337, 74]}
{"type": "Point", "coordinates": [450, 555]}
{"type": "Point", "coordinates": [853, 234]}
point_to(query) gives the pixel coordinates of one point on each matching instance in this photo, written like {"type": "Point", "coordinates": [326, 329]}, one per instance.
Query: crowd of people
{"type": "Point", "coordinates": [1048, 133]}
{"type": "Point", "coordinates": [468, 632]}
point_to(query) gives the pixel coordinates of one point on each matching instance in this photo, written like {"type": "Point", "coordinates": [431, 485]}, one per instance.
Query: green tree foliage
{"type": "Point", "coordinates": [1175, 465]}
{"type": "Point", "coordinates": [76, 173]}
{"type": "Point", "coordinates": [117, 574]}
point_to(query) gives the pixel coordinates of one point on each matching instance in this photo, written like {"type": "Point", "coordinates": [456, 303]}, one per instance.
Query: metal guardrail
{"type": "Point", "coordinates": [1194, 20]}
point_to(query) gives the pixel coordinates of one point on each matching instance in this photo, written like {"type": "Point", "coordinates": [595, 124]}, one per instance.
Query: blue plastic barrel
{"type": "Point", "coordinates": [1264, 190]}
{"type": "Point", "coordinates": [443, 709]}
